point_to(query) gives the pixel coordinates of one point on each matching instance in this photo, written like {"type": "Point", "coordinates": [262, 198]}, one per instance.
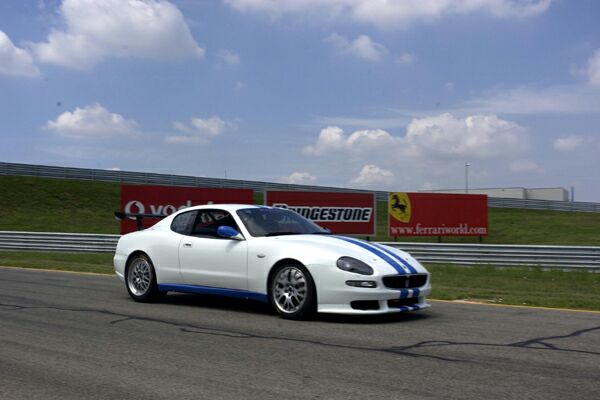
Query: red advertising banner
{"type": "Point", "coordinates": [437, 214]}
{"type": "Point", "coordinates": [346, 213]}
{"type": "Point", "coordinates": [165, 200]}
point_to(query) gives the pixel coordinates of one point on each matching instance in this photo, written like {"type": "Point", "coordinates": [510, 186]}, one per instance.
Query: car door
{"type": "Point", "coordinates": [206, 259]}
{"type": "Point", "coordinates": [166, 248]}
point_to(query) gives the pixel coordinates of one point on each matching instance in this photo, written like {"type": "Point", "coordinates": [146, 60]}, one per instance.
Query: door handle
{"type": "Point", "coordinates": [187, 244]}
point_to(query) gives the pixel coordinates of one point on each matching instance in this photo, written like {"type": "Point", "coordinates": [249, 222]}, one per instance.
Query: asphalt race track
{"type": "Point", "coordinates": [75, 336]}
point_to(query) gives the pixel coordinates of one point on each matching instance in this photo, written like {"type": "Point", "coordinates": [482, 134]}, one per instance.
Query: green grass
{"type": "Point", "coordinates": [514, 285]}
{"type": "Point", "coordinates": [100, 263]}
{"type": "Point", "coordinates": [517, 286]}
{"type": "Point", "coordinates": [63, 205]}
{"type": "Point", "coordinates": [58, 205]}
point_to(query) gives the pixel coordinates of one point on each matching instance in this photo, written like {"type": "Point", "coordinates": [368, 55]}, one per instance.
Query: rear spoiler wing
{"type": "Point", "coordinates": [139, 218]}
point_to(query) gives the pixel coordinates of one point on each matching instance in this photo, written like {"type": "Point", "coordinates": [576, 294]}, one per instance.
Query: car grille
{"type": "Point", "coordinates": [405, 281]}
{"type": "Point", "coordinates": [365, 305]}
{"type": "Point", "coordinates": [397, 303]}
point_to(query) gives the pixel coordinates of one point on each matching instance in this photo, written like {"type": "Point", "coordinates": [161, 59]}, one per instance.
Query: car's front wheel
{"type": "Point", "coordinates": [140, 279]}
{"type": "Point", "coordinates": [292, 292]}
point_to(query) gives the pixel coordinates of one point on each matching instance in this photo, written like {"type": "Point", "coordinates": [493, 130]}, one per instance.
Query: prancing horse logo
{"type": "Point", "coordinates": [399, 206]}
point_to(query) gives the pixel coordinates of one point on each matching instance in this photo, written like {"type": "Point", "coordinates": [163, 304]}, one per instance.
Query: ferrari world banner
{"type": "Point", "coordinates": [436, 214]}
{"type": "Point", "coordinates": [165, 200]}
{"type": "Point", "coordinates": [345, 213]}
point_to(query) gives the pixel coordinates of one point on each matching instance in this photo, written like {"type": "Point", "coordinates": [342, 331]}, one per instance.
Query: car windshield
{"type": "Point", "coordinates": [276, 222]}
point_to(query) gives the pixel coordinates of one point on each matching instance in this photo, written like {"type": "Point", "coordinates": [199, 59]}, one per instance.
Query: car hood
{"type": "Point", "coordinates": [388, 260]}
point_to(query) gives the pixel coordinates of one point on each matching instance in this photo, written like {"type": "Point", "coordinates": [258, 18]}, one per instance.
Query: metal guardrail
{"type": "Point", "coordinates": [545, 256]}
{"type": "Point", "coordinates": [579, 206]}
{"type": "Point", "coordinates": [16, 169]}
{"type": "Point", "coordinates": [67, 242]}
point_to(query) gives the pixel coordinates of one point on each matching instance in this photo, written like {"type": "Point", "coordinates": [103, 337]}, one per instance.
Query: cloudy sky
{"type": "Point", "coordinates": [375, 94]}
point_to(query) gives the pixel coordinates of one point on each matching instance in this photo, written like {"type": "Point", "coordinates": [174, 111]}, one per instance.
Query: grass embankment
{"type": "Point", "coordinates": [62, 205]}
{"type": "Point", "coordinates": [514, 285]}
{"type": "Point", "coordinates": [58, 205]}
{"type": "Point", "coordinates": [577, 289]}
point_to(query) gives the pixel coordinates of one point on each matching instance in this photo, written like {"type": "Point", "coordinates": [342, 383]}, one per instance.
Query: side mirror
{"type": "Point", "coordinates": [228, 232]}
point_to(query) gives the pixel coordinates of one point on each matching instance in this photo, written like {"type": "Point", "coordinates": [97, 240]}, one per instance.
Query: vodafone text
{"type": "Point", "coordinates": [137, 207]}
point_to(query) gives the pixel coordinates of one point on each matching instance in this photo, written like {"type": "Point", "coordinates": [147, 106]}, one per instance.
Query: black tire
{"type": "Point", "coordinates": [140, 279]}
{"type": "Point", "coordinates": [292, 292]}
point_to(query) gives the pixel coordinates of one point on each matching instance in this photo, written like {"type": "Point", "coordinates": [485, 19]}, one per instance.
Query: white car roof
{"type": "Point", "coordinates": [231, 208]}
{"type": "Point", "coordinates": [226, 207]}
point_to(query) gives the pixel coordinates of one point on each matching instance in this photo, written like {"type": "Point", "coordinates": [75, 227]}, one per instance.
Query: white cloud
{"type": "Point", "coordinates": [229, 57]}
{"type": "Point", "coordinates": [524, 166]}
{"type": "Point", "coordinates": [96, 30]}
{"type": "Point", "coordinates": [572, 99]}
{"type": "Point", "coordinates": [396, 120]}
{"type": "Point", "coordinates": [558, 99]}
{"type": "Point", "coordinates": [330, 138]}
{"type": "Point", "coordinates": [593, 69]}
{"type": "Point", "coordinates": [392, 14]}
{"type": "Point", "coordinates": [92, 122]}
{"type": "Point", "coordinates": [370, 140]}
{"type": "Point", "coordinates": [361, 47]}
{"type": "Point", "coordinates": [477, 136]}
{"type": "Point", "coordinates": [15, 61]}
{"type": "Point", "coordinates": [199, 130]}
{"type": "Point", "coordinates": [406, 58]}
{"type": "Point", "coordinates": [372, 176]}
{"type": "Point", "coordinates": [299, 178]}
{"type": "Point", "coordinates": [568, 143]}
{"type": "Point", "coordinates": [431, 149]}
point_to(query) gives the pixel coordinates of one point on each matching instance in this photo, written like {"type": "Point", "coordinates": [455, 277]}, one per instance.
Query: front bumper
{"type": "Point", "coordinates": [384, 303]}
{"type": "Point", "coordinates": [335, 296]}
{"type": "Point", "coordinates": [119, 262]}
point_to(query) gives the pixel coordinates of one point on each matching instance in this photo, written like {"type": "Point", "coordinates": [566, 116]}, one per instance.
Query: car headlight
{"type": "Point", "coordinates": [353, 265]}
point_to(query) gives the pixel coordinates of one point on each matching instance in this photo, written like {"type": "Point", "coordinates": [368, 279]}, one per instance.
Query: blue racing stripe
{"type": "Point", "coordinates": [397, 257]}
{"type": "Point", "coordinates": [243, 294]}
{"type": "Point", "coordinates": [375, 251]}
{"type": "Point", "coordinates": [406, 293]}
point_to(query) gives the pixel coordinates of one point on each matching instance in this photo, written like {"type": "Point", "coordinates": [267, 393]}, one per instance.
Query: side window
{"type": "Point", "coordinates": [208, 221]}
{"type": "Point", "coordinates": [183, 222]}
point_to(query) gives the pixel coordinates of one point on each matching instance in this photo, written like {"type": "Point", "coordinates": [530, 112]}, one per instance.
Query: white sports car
{"type": "Point", "coordinates": [271, 255]}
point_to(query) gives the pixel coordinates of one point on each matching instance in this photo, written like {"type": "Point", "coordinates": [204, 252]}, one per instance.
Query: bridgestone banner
{"type": "Point", "coordinates": [437, 214]}
{"type": "Point", "coordinates": [343, 213]}
{"type": "Point", "coordinates": [165, 200]}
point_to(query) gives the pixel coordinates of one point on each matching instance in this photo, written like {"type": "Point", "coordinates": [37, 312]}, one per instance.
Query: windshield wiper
{"type": "Point", "coordinates": [283, 233]}
{"type": "Point", "coordinates": [321, 233]}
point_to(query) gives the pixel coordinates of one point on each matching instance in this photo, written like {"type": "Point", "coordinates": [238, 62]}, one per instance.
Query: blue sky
{"type": "Point", "coordinates": [388, 95]}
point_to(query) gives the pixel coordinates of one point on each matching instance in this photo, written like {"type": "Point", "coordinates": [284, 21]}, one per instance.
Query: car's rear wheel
{"type": "Point", "coordinates": [292, 292]}
{"type": "Point", "coordinates": [140, 279]}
